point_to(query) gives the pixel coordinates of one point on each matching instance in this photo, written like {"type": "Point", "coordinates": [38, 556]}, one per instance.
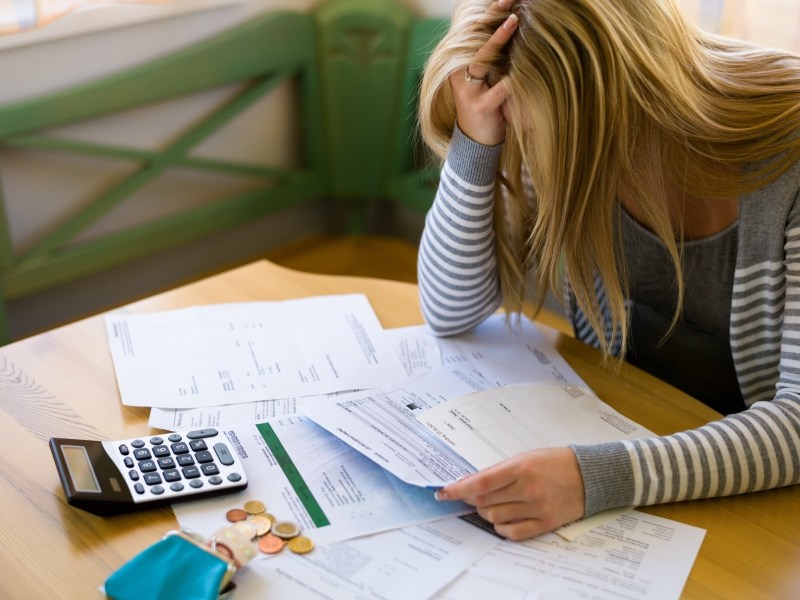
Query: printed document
{"type": "Point", "coordinates": [250, 351]}
{"type": "Point", "coordinates": [636, 557]}
{"type": "Point", "coordinates": [489, 426]}
{"type": "Point", "coordinates": [306, 475]}
{"type": "Point", "coordinates": [418, 350]}
{"type": "Point", "coordinates": [383, 425]}
{"type": "Point", "coordinates": [409, 563]}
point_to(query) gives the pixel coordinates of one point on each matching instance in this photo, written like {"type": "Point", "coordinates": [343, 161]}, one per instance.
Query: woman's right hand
{"type": "Point", "coordinates": [478, 105]}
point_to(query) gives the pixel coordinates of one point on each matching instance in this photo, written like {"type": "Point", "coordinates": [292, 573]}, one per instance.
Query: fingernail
{"type": "Point", "coordinates": [501, 3]}
{"type": "Point", "coordinates": [511, 21]}
{"type": "Point", "coordinates": [440, 495]}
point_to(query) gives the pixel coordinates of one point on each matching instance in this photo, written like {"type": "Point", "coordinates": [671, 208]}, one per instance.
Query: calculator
{"type": "Point", "coordinates": [112, 477]}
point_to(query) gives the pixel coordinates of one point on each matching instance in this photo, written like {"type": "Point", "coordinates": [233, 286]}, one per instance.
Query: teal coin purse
{"type": "Point", "coordinates": [178, 567]}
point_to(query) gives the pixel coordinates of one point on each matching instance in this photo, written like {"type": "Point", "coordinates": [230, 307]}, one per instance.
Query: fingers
{"type": "Point", "coordinates": [490, 51]}
{"type": "Point", "coordinates": [478, 484]}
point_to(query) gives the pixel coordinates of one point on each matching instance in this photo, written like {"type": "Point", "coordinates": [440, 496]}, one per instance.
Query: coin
{"type": "Point", "coordinates": [235, 514]}
{"type": "Point", "coordinates": [245, 529]}
{"type": "Point", "coordinates": [285, 529]}
{"type": "Point", "coordinates": [300, 544]}
{"type": "Point", "coordinates": [254, 507]}
{"type": "Point", "coordinates": [269, 544]}
{"type": "Point", "coordinates": [269, 516]}
{"type": "Point", "coordinates": [262, 524]}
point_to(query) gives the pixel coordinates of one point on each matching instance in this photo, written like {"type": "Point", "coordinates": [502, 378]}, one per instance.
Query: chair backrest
{"type": "Point", "coordinates": [357, 65]}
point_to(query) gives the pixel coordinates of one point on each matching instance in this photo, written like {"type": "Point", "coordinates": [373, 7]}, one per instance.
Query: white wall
{"type": "Point", "coordinates": [41, 189]}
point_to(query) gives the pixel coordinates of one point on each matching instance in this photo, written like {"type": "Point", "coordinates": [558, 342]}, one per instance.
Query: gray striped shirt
{"type": "Point", "coordinates": [752, 450]}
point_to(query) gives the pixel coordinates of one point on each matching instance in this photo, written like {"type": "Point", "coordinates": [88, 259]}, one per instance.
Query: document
{"type": "Point", "coordinates": [635, 557]}
{"type": "Point", "coordinates": [304, 474]}
{"type": "Point", "coordinates": [409, 563]}
{"type": "Point", "coordinates": [489, 426]}
{"type": "Point", "coordinates": [418, 351]}
{"type": "Point", "coordinates": [252, 351]}
{"type": "Point", "coordinates": [383, 425]}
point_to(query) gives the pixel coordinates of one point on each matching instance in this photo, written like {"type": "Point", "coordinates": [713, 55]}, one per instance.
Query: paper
{"type": "Point", "coordinates": [304, 474]}
{"type": "Point", "coordinates": [418, 351]}
{"type": "Point", "coordinates": [636, 556]}
{"type": "Point", "coordinates": [382, 423]}
{"type": "Point", "coordinates": [489, 426]}
{"type": "Point", "coordinates": [244, 352]}
{"type": "Point", "coordinates": [413, 562]}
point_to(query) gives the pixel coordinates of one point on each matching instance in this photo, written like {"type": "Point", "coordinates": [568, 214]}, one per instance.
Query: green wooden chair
{"type": "Point", "coordinates": [357, 65]}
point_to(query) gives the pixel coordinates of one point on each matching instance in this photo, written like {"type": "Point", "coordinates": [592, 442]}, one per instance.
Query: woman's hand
{"type": "Point", "coordinates": [525, 495]}
{"type": "Point", "coordinates": [479, 106]}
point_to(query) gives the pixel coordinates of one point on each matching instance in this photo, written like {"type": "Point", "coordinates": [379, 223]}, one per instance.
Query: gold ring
{"type": "Point", "coordinates": [472, 79]}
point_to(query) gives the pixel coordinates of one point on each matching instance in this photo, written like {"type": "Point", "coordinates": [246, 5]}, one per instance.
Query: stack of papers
{"type": "Point", "coordinates": [345, 427]}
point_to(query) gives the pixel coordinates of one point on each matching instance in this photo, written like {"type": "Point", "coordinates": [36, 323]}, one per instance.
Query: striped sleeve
{"type": "Point", "coordinates": [753, 450]}
{"type": "Point", "coordinates": [456, 268]}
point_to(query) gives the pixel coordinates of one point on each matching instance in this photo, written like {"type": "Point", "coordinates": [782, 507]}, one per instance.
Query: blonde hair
{"type": "Point", "coordinates": [610, 96]}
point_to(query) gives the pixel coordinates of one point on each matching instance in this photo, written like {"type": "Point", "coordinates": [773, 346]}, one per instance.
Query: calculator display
{"type": "Point", "coordinates": [80, 469]}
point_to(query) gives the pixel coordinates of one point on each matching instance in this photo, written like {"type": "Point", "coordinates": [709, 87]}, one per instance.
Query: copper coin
{"type": "Point", "coordinates": [254, 507]}
{"type": "Point", "coordinates": [269, 544]}
{"type": "Point", "coordinates": [300, 544]}
{"type": "Point", "coordinates": [236, 514]}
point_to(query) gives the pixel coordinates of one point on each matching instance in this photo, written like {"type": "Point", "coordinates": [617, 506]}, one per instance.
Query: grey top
{"type": "Point", "coordinates": [696, 356]}
{"type": "Point", "coordinates": [751, 450]}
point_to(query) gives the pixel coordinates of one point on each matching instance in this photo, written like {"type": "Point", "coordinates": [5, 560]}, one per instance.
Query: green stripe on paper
{"type": "Point", "coordinates": [293, 475]}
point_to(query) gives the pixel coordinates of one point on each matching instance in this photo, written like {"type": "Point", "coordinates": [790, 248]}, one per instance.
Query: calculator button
{"type": "Point", "coordinates": [156, 441]}
{"type": "Point", "coordinates": [196, 483]}
{"type": "Point", "coordinates": [157, 490]}
{"type": "Point", "coordinates": [203, 457]}
{"type": "Point", "coordinates": [180, 448]}
{"type": "Point", "coordinates": [210, 469]}
{"type": "Point", "coordinates": [123, 449]}
{"type": "Point", "coordinates": [137, 443]}
{"type": "Point", "coordinates": [185, 460]}
{"type": "Point", "coordinates": [166, 463]}
{"type": "Point", "coordinates": [175, 437]}
{"type": "Point", "coordinates": [215, 480]}
{"type": "Point", "coordinates": [223, 454]}
{"type": "Point", "coordinates": [134, 475]}
{"type": "Point", "coordinates": [198, 445]}
{"type": "Point", "coordinates": [201, 433]}
{"type": "Point", "coordinates": [128, 462]}
{"type": "Point", "coordinates": [171, 475]}
{"type": "Point", "coordinates": [234, 477]}
{"type": "Point", "coordinates": [139, 488]}
{"type": "Point", "coordinates": [152, 478]}
{"type": "Point", "coordinates": [176, 487]}
{"type": "Point", "coordinates": [159, 451]}
{"type": "Point", "coordinates": [141, 454]}
{"type": "Point", "coordinates": [146, 466]}
{"type": "Point", "coordinates": [191, 472]}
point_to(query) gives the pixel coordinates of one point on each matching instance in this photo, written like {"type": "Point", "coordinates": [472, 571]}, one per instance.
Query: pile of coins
{"type": "Point", "coordinates": [253, 522]}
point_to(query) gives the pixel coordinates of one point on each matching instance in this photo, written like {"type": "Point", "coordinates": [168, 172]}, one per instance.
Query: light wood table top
{"type": "Point", "coordinates": [61, 384]}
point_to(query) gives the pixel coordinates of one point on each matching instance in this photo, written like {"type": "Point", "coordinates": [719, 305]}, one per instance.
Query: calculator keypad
{"type": "Point", "coordinates": [176, 466]}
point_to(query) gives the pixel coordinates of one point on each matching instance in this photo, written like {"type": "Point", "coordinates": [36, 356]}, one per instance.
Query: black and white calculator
{"type": "Point", "coordinates": [112, 477]}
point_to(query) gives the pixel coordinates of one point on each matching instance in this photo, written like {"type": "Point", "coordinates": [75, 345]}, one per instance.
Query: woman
{"type": "Point", "coordinates": [653, 167]}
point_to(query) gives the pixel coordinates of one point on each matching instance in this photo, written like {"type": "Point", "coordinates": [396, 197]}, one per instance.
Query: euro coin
{"type": "Point", "coordinates": [300, 544]}
{"type": "Point", "coordinates": [269, 544]}
{"type": "Point", "coordinates": [235, 514]}
{"type": "Point", "coordinates": [285, 529]}
{"type": "Point", "coordinates": [262, 523]}
{"type": "Point", "coordinates": [254, 507]}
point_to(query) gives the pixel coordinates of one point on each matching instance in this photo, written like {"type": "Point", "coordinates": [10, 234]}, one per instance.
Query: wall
{"type": "Point", "coordinates": [41, 188]}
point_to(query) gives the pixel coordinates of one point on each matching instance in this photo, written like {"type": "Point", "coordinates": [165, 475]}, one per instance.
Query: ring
{"type": "Point", "coordinates": [472, 79]}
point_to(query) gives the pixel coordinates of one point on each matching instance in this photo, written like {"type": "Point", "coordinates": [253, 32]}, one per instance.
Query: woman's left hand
{"type": "Point", "coordinates": [525, 495]}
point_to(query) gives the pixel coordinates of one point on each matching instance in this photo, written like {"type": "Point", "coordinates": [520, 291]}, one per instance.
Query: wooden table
{"type": "Point", "coordinates": [61, 384]}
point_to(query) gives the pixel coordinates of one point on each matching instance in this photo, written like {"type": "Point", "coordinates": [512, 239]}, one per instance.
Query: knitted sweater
{"type": "Point", "coordinates": [756, 449]}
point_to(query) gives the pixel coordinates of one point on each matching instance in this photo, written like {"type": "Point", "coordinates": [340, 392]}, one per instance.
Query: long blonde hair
{"type": "Point", "coordinates": [610, 96]}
